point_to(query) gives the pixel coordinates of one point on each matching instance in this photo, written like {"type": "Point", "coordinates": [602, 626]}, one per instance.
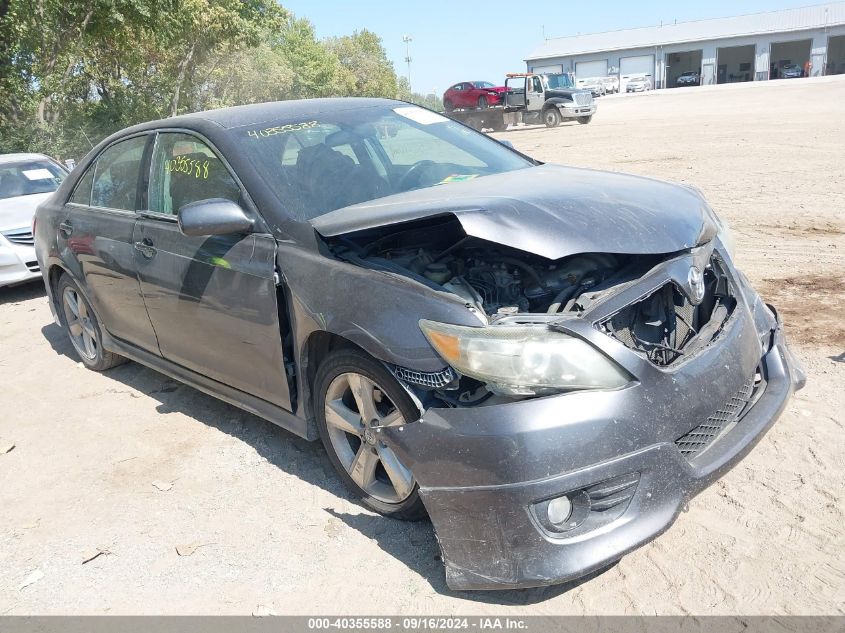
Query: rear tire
{"type": "Point", "coordinates": [354, 395]}
{"type": "Point", "coordinates": [83, 328]}
{"type": "Point", "coordinates": [447, 105]}
{"type": "Point", "coordinates": [583, 120]}
{"type": "Point", "coordinates": [551, 117]}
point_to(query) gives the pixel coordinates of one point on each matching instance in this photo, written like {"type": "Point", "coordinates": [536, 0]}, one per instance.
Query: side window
{"type": "Point", "coordinates": [184, 169]}
{"type": "Point", "coordinates": [458, 87]}
{"type": "Point", "coordinates": [116, 175]}
{"type": "Point", "coordinates": [538, 85]}
{"type": "Point", "coordinates": [82, 193]}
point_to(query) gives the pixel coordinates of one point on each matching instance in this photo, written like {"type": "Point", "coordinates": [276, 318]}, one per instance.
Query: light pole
{"type": "Point", "coordinates": [408, 39]}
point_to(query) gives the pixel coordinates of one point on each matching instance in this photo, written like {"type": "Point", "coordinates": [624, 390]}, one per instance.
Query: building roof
{"type": "Point", "coordinates": [786, 20]}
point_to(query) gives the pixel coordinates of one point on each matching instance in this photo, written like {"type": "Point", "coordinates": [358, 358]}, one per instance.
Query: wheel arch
{"type": "Point", "coordinates": [316, 347]}
{"type": "Point", "coordinates": [54, 274]}
{"type": "Point", "coordinates": [555, 102]}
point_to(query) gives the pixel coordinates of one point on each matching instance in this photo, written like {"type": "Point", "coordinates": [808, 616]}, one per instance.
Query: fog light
{"type": "Point", "coordinates": [559, 510]}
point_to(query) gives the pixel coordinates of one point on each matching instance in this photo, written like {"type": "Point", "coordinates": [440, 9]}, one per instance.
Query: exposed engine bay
{"type": "Point", "coordinates": [496, 280]}
{"type": "Point", "coordinates": [502, 282]}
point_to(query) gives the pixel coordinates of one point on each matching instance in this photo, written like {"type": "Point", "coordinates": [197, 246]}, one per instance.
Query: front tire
{"type": "Point", "coordinates": [82, 327]}
{"type": "Point", "coordinates": [551, 117]}
{"type": "Point", "coordinates": [583, 120]}
{"type": "Point", "coordinates": [354, 395]}
{"type": "Point", "coordinates": [482, 102]}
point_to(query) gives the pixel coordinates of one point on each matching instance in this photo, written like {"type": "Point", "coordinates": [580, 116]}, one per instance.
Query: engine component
{"type": "Point", "coordinates": [494, 279]}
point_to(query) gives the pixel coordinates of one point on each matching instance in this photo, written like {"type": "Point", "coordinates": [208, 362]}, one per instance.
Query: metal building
{"type": "Point", "coordinates": [742, 48]}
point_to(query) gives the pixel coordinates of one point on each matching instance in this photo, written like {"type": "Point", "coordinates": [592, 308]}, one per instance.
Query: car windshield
{"type": "Point", "coordinates": [357, 155]}
{"type": "Point", "coordinates": [28, 177]}
{"type": "Point", "coordinates": [559, 81]}
{"type": "Point", "coordinates": [483, 84]}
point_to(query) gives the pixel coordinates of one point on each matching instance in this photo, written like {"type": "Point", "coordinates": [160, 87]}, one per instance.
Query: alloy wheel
{"type": "Point", "coordinates": [355, 409]}
{"type": "Point", "coordinates": [80, 324]}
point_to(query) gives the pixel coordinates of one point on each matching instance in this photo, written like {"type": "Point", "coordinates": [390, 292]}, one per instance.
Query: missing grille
{"type": "Point", "coordinates": [662, 325]}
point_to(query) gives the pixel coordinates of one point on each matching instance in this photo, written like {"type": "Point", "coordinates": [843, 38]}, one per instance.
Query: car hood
{"type": "Point", "coordinates": [16, 213]}
{"type": "Point", "coordinates": [564, 93]}
{"type": "Point", "coordinates": [549, 210]}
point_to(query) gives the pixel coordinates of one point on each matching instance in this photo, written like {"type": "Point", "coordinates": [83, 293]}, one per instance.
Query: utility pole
{"type": "Point", "coordinates": [408, 39]}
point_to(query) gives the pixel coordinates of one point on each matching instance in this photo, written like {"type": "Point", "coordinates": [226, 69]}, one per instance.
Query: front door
{"type": "Point", "coordinates": [212, 300]}
{"type": "Point", "coordinates": [95, 237]}
{"type": "Point", "coordinates": [536, 94]}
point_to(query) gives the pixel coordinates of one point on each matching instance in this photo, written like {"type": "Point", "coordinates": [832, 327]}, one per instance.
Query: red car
{"type": "Point", "coordinates": [473, 94]}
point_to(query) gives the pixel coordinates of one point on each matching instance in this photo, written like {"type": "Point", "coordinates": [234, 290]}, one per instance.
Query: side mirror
{"type": "Point", "coordinates": [216, 216]}
{"type": "Point", "coordinates": [507, 144]}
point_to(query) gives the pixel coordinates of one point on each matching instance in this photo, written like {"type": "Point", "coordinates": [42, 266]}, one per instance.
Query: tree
{"type": "Point", "coordinates": [74, 71]}
{"type": "Point", "coordinates": [366, 70]}
{"type": "Point", "coordinates": [316, 70]}
{"type": "Point", "coordinates": [431, 100]}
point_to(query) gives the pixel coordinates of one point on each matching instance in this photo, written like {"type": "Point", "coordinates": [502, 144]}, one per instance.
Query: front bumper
{"type": "Point", "coordinates": [17, 263]}
{"type": "Point", "coordinates": [575, 111]}
{"type": "Point", "coordinates": [481, 470]}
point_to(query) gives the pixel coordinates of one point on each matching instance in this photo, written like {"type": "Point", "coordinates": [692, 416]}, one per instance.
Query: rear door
{"type": "Point", "coordinates": [95, 238]}
{"type": "Point", "coordinates": [212, 300]}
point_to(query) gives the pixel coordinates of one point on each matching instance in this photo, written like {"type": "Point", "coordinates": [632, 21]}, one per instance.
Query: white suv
{"type": "Point", "coordinates": [26, 180]}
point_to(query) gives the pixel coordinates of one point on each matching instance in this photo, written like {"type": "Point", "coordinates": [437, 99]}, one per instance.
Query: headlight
{"type": "Point", "coordinates": [524, 360]}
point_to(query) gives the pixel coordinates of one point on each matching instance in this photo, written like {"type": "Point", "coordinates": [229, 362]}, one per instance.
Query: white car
{"type": "Point", "coordinates": [611, 84]}
{"type": "Point", "coordinates": [639, 83]}
{"type": "Point", "coordinates": [26, 180]}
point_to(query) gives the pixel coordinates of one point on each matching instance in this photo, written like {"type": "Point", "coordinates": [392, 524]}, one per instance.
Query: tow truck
{"type": "Point", "coordinates": [532, 99]}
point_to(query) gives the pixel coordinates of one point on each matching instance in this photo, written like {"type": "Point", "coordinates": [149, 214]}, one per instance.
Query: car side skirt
{"type": "Point", "coordinates": [245, 401]}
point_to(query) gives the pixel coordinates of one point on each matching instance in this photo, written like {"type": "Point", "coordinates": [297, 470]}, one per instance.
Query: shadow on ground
{"type": "Point", "coordinates": [310, 464]}
{"type": "Point", "coordinates": [22, 292]}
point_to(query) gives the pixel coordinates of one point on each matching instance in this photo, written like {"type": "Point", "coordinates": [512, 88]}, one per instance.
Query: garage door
{"type": "Point", "coordinates": [548, 70]}
{"type": "Point", "coordinates": [591, 69]}
{"type": "Point", "coordinates": [639, 65]}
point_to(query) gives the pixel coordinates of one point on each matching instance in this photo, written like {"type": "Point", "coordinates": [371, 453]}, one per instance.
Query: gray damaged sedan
{"type": "Point", "coordinates": [548, 362]}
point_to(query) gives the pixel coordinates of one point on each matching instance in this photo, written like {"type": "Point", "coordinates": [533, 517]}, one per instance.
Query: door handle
{"type": "Point", "coordinates": [66, 228]}
{"type": "Point", "coordinates": [146, 248]}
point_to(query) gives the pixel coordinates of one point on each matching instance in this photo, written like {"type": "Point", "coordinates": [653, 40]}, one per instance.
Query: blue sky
{"type": "Point", "coordinates": [484, 39]}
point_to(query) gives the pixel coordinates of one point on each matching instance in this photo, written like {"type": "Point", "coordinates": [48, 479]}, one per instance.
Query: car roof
{"type": "Point", "coordinates": [257, 113]}
{"type": "Point", "coordinates": [14, 158]}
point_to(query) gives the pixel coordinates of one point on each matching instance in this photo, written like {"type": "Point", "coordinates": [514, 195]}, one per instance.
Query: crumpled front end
{"type": "Point", "coordinates": [625, 460]}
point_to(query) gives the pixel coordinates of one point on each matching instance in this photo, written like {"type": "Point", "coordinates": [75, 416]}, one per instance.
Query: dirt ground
{"type": "Point", "coordinates": [263, 524]}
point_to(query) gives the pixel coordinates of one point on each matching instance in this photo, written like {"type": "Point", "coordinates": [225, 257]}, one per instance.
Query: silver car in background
{"type": "Point", "coordinates": [26, 180]}
{"type": "Point", "coordinates": [638, 83]}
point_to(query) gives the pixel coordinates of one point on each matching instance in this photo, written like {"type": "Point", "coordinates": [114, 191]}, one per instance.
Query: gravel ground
{"type": "Point", "coordinates": [248, 518]}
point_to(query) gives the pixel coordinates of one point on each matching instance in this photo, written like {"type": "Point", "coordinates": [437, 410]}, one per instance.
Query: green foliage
{"type": "Point", "coordinates": [74, 71]}
{"type": "Point", "coordinates": [364, 69]}
{"type": "Point", "coordinates": [431, 100]}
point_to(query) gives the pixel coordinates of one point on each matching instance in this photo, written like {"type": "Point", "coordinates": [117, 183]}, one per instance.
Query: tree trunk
{"type": "Point", "coordinates": [180, 79]}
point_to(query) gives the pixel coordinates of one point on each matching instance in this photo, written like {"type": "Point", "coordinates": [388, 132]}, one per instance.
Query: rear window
{"type": "Point", "coordinates": [29, 177]}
